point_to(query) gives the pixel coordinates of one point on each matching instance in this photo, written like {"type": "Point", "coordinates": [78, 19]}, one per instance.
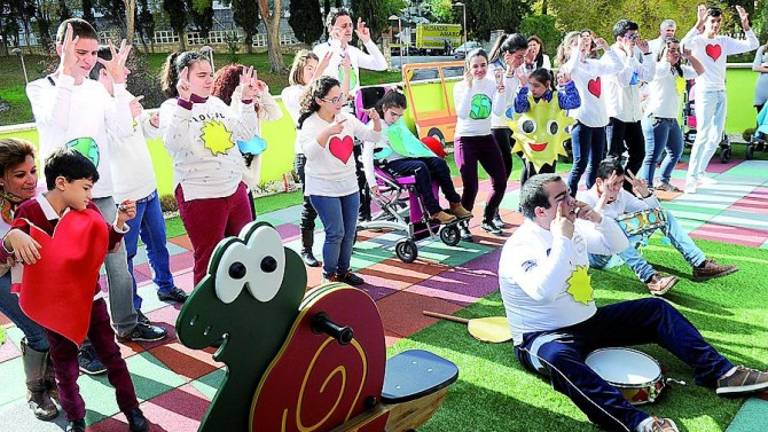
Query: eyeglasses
{"type": "Point", "coordinates": [335, 100]}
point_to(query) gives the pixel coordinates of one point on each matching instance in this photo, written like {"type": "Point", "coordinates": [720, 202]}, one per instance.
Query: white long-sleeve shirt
{"type": "Point", "coordinates": [291, 97]}
{"type": "Point", "coordinates": [663, 98]}
{"type": "Point", "coordinates": [625, 203]}
{"type": "Point", "coordinates": [543, 279]}
{"type": "Point", "coordinates": [712, 53]}
{"type": "Point", "coordinates": [202, 143]}
{"type": "Point", "coordinates": [64, 111]}
{"type": "Point", "coordinates": [330, 169]}
{"type": "Point", "coordinates": [474, 106]}
{"type": "Point", "coordinates": [512, 86]}
{"type": "Point", "coordinates": [588, 76]}
{"type": "Point", "coordinates": [373, 60]}
{"type": "Point", "coordinates": [622, 90]}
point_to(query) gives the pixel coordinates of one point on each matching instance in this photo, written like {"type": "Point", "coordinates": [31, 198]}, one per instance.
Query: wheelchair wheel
{"type": "Point", "coordinates": [407, 251]}
{"type": "Point", "coordinates": [450, 235]}
{"type": "Point", "coordinates": [725, 154]}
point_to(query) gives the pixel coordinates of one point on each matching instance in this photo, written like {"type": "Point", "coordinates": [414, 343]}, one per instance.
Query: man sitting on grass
{"type": "Point", "coordinates": [610, 178]}
{"type": "Point", "coordinates": [555, 324]}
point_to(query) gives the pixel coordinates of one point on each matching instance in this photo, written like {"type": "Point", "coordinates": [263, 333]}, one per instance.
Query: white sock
{"type": "Point", "coordinates": [729, 373]}
{"type": "Point", "coordinates": [645, 425]}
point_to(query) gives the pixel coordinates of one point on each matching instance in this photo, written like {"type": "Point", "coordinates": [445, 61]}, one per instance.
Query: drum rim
{"type": "Point", "coordinates": [659, 377]}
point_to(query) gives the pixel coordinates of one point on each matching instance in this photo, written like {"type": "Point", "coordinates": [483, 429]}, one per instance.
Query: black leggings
{"type": "Point", "coordinates": [308, 213]}
{"type": "Point", "coordinates": [505, 141]}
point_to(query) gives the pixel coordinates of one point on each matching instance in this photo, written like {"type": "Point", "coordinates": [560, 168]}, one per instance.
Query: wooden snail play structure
{"type": "Point", "coordinates": [301, 362]}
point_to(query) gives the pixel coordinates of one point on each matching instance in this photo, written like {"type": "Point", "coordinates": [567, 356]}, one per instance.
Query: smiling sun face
{"type": "Point", "coordinates": [540, 132]}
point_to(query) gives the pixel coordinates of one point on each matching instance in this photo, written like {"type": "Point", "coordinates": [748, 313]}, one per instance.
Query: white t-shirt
{"type": "Point", "coordinates": [511, 85]}
{"type": "Point", "coordinates": [588, 76]}
{"type": "Point", "coordinates": [543, 279]}
{"type": "Point", "coordinates": [65, 111]}
{"type": "Point", "coordinates": [330, 169]}
{"type": "Point", "coordinates": [712, 54]}
{"type": "Point", "coordinates": [475, 106]}
{"type": "Point", "coordinates": [625, 202]}
{"type": "Point", "coordinates": [374, 60]}
{"type": "Point", "coordinates": [292, 100]}
{"type": "Point", "coordinates": [622, 90]}
{"type": "Point", "coordinates": [202, 142]}
{"type": "Point", "coordinates": [663, 98]}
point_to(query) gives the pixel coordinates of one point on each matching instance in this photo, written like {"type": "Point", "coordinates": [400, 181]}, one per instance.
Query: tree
{"type": "Point", "coordinates": [374, 13]}
{"type": "Point", "coordinates": [88, 11]}
{"type": "Point", "coordinates": [44, 11]}
{"type": "Point", "coordinates": [338, 4]}
{"type": "Point", "coordinates": [272, 24]}
{"type": "Point", "coordinates": [246, 15]}
{"type": "Point", "coordinates": [64, 12]}
{"type": "Point", "coordinates": [130, 20]}
{"type": "Point", "coordinates": [177, 15]}
{"type": "Point", "coordinates": [145, 22]}
{"type": "Point", "coordinates": [306, 20]}
{"type": "Point", "coordinates": [201, 12]}
{"type": "Point", "coordinates": [543, 26]}
{"type": "Point", "coordinates": [114, 12]}
{"type": "Point", "coordinates": [443, 12]}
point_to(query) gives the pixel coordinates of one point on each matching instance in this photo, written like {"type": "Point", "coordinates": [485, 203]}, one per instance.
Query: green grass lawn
{"type": "Point", "coordinates": [494, 393]}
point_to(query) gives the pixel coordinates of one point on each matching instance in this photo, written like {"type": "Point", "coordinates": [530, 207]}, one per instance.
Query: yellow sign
{"type": "Point", "coordinates": [435, 35]}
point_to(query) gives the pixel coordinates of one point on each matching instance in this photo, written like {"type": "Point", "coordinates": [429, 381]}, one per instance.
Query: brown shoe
{"type": "Point", "coordinates": [443, 217]}
{"type": "Point", "coordinates": [710, 269]}
{"type": "Point", "coordinates": [743, 380]}
{"type": "Point", "coordinates": [661, 283]}
{"type": "Point", "coordinates": [663, 425]}
{"type": "Point", "coordinates": [459, 211]}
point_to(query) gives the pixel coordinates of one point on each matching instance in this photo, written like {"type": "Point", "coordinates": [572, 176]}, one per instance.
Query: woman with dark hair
{"type": "Point", "coordinates": [201, 133]}
{"type": "Point", "coordinates": [18, 184]}
{"type": "Point", "coordinates": [326, 135]}
{"type": "Point", "coordinates": [226, 86]}
{"type": "Point", "coordinates": [535, 57]}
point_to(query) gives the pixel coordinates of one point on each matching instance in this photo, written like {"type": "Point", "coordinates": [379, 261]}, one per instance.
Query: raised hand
{"type": "Point", "coordinates": [336, 127]}
{"type": "Point", "coordinates": [744, 17]}
{"type": "Point", "coordinates": [248, 80]}
{"type": "Point", "coordinates": [585, 212]}
{"type": "Point", "coordinates": [643, 45]}
{"type": "Point", "coordinates": [125, 212]}
{"type": "Point", "coordinates": [323, 64]}
{"type": "Point", "coordinates": [362, 31]}
{"type": "Point", "coordinates": [182, 86]}
{"type": "Point", "coordinates": [701, 13]}
{"type": "Point", "coordinates": [600, 43]}
{"type": "Point", "coordinates": [116, 66]}
{"type": "Point", "coordinates": [639, 186]}
{"type": "Point", "coordinates": [68, 61]}
{"type": "Point", "coordinates": [563, 78]}
{"type": "Point", "coordinates": [136, 107]}
{"type": "Point", "coordinates": [608, 186]}
{"type": "Point", "coordinates": [468, 77]}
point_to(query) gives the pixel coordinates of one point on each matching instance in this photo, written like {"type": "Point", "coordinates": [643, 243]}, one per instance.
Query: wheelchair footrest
{"type": "Point", "coordinates": [414, 374]}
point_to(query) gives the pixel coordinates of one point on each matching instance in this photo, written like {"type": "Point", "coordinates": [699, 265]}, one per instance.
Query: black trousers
{"type": "Point", "coordinates": [626, 136]}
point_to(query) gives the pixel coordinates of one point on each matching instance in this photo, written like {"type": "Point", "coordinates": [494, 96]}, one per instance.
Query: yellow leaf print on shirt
{"type": "Point", "coordinates": [580, 285]}
{"type": "Point", "coordinates": [216, 137]}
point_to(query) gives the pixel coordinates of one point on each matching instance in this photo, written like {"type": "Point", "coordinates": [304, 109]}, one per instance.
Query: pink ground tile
{"type": "Point", "coordinates": [729, 234]}
{"type": "Point", "coordinates": [288, 231]}
{"type": "Point", "coordinates": [714, 167]}
{"type": "Point", "coordinates": [183, 261]}
{"type": "Point", "coordinates": [8, 351]}
{"type": "Point", "coordinates": [185, 401]}
{"type": "Point", "coordinates": [182, 241]}
{"type": "Point", "coordinates": [402, 314]}
{"type": "Point", "coordinates": [755, 202]}
{"type": "Point", "coordinates": [161, 419]}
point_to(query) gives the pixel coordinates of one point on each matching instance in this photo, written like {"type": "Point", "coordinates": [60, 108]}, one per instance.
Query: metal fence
{"type": "Point", "coordinates": [216, 37]}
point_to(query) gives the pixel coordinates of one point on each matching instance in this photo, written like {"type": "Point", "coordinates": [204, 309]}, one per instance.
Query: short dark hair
{"type": "Point", "coordinates": [70, 164]}
{"type": "Point", "coordinates": [533, 194]}
{"type": "Point", "coordinates": [714, 12]}
{"type": "Point", "coordinates": [608, 166]}
{"type": "Point", "coordinates": [103, 53]}
{"type": "Point", "coordinates": [80, 28]}
{"type": "Point", "coordinates": [623, 26]}
{"type": "Point", "coordinates": [334, 14]}
{"type": "Point", "coordinates": [392, 99]}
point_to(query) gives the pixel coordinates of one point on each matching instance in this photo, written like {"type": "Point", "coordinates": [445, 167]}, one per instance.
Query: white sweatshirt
{"type": "Point", "coordinates": [663, 99]}
{"type": "Point", "coordinates": [589, 77]}
{"type": "Point", "coordinates": [292, 100]}
{"type": "Point", "coordinates": [65, 111]}
{"type": "Point", "coordinates": [622, 90]}
{"type": "Point", "coordinates": [474, 106]}
{"type": "Point", "coordinates": [543, 280]}
{"type": "Point", "coordinates": [512, 86]}
{"type": "Point", "coordinates": [625, 203]}
{"type": "Point", "coordinates": [712, 54]}
{"type": "Point", "coordinates": [202, 143]}
{"type": "Point", "coordinates": [330, 169]}
{"type": "Point", "coordinates": [374, 60]}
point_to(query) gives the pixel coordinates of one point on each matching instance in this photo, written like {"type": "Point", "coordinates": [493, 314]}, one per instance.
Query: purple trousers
{"type": "Point", "coordinates": [468, 151]}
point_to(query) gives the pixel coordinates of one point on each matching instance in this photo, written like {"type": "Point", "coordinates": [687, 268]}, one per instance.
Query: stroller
{"type": "Point", "coordinates": [401, 208]}
{"type": "Point", "coordinates": [759, 139]}
{"type": "Point", "coordinates": [689, 123]}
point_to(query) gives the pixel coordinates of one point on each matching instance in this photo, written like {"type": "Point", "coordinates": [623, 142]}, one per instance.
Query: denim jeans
{"type": "Point", "coordinates": [660, 133]}
{"type": "Point", "coordinates": [150, 225]}
{"type": "Point", "coordinates": [120, 280]}
{"type": "Point", "coordinates": [588, 151]}
{"type": "Point", "coordinates": [711, 109]}
{"type": "Point", "coordinates": [673, 231]}
{"type": "Point", "coordinates": [9, 306]}
{"type": "Point", "coordinates": [339, 217]}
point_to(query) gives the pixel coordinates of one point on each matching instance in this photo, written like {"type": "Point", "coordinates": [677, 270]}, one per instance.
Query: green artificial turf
{"type": "Point", "coordinates": [494, 393]}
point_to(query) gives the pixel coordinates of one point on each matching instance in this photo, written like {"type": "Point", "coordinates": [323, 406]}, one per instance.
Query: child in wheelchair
{"type": "Point", "coordinates": [400, 154]}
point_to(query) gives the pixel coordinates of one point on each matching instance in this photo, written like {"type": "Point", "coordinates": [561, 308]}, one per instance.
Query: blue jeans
{"type": "Point", "coordinates": [673, 231]}
{"type": "Point", "coordinates": [339, 217]}
{"type": "Point", "coordinates": [711, 108]}
{"type": "Point", "coordinates": [150, 225]}
{"type": "Point", "coordinates": [9, 306]}
{"type": "Point", "coordinates": [588, 151]}
{"type": "Point", "coordinates": [660, 133]}
{"type": "Point", "coordinates": [559, 355]}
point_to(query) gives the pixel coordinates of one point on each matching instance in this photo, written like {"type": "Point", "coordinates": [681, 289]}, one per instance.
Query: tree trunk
{"type": "Point", "coordinates": [182, 40]}
{"type": "Point", "coordinates": [272, 23]}
{"type": "Point", "coordinates": [543, 7]}
{"type": "Point", "coordinates": [248, 42]}
{"type": "Point", "coordinates": [130, 17]}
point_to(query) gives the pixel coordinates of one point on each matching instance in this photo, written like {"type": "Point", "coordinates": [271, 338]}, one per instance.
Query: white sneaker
{"type": "Point", "coordinates": [706, 181]}
{"type": "Point", "coordinates": [690, 188]}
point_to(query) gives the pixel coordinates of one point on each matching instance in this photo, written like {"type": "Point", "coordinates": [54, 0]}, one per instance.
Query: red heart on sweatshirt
{"type": "Point", "coordinates": [713, 51]}
{"type": "Point", "coordinates": [594, 87]}
{"type": "Point", "coordinates": [341, 148]}
{"type": "Point", "coordinates": [57, 291]}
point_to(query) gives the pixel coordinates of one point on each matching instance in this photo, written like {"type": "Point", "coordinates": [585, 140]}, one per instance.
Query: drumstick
{"type": "Point", "coordinates": [446, 317]}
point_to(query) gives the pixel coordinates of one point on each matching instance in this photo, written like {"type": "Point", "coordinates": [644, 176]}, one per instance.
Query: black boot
{"type": "Point", "coordinates": [307, 240]}
{"type": "Point", "coordinates": [38, 399]}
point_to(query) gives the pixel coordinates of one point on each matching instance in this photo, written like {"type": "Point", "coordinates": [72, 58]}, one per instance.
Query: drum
{"type": "Point", "coordinates": [642, 222]}
{"type": "Point", "coordinates": [636, 374]}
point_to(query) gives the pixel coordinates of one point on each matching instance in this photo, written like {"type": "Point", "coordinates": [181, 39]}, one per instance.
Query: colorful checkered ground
{"type": "Point", "coordinates": [175, 384]}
